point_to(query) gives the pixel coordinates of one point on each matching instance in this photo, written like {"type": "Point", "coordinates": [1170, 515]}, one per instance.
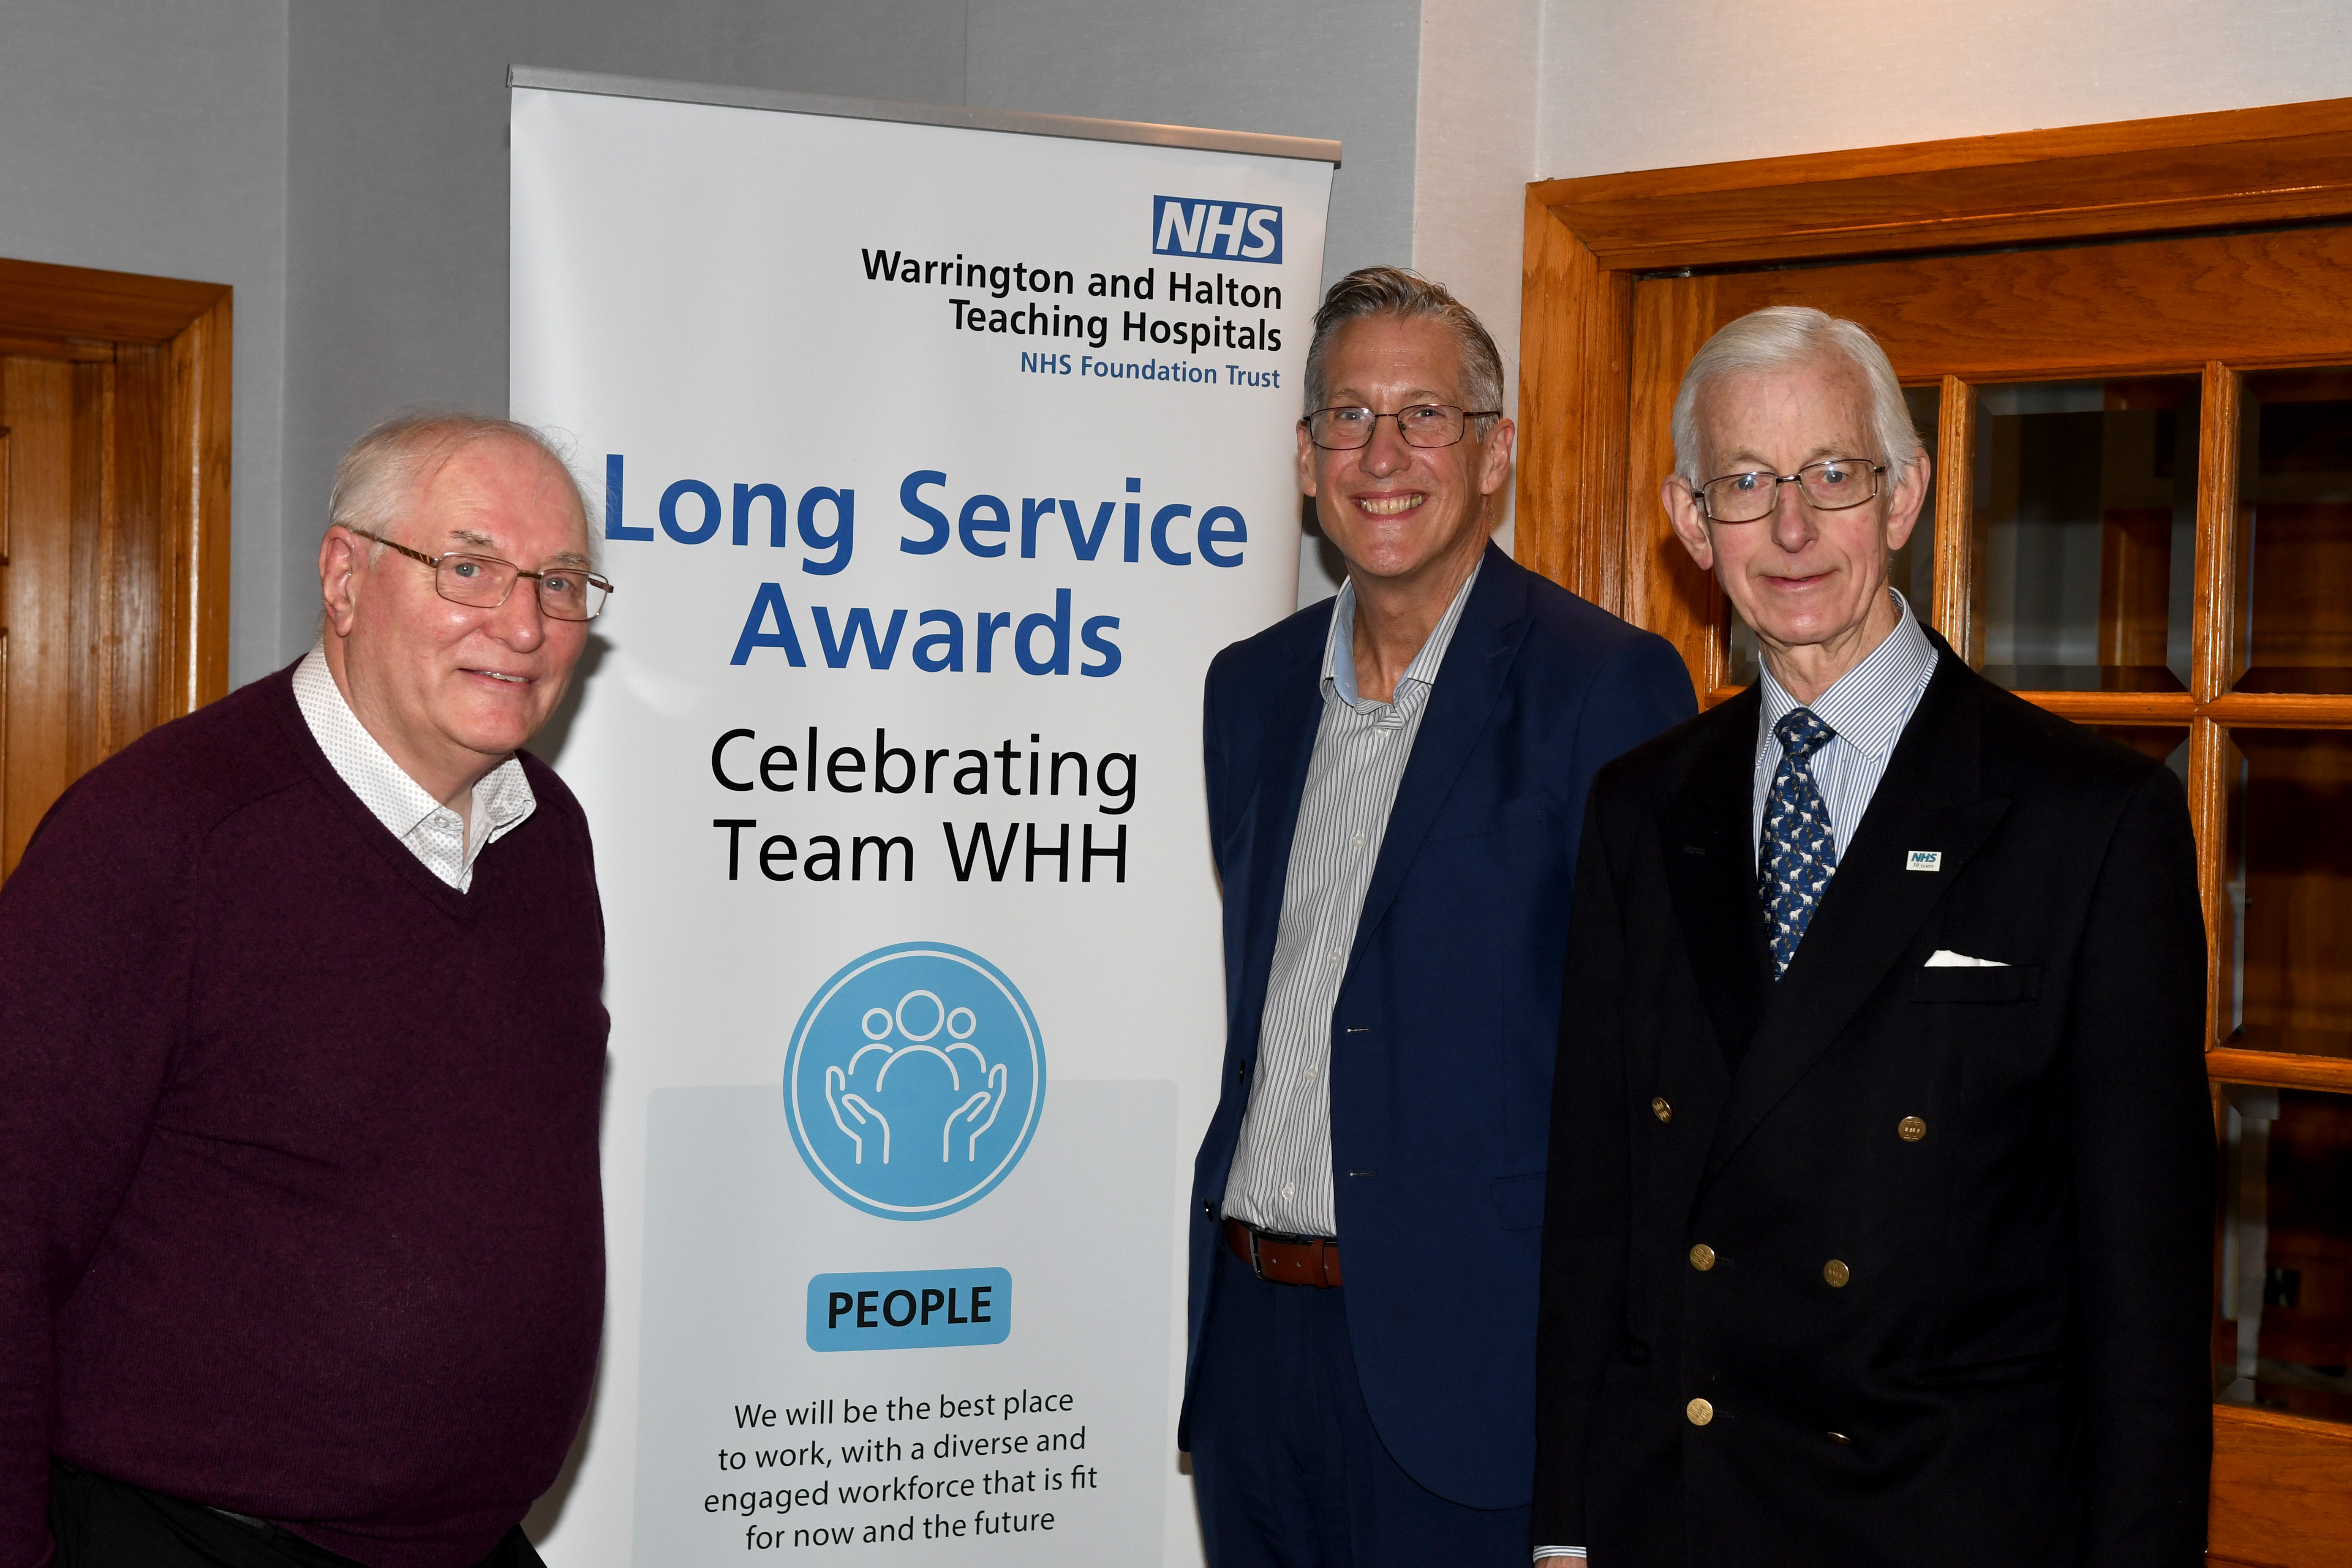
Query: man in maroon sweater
{"type": "Point", "coordinates": [301, 1043]}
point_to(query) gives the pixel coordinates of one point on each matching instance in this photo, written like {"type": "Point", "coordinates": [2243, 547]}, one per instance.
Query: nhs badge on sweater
{"type": "Point", "coordinates": [915, 1080]}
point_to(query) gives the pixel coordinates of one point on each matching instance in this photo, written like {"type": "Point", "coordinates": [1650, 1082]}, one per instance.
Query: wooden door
{"type": "Point", "coordinates": [114, 396]}
{"type": "Point", "coordinates": [2130, 350]}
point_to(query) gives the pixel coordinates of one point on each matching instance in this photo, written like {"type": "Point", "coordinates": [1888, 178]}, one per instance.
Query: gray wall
{"type": "Point", "coordinates": [397, 173]}
{"type": "Point", "coordinates": [1621, 87]}
{"type": "Point", "coordinates": [143, 137]}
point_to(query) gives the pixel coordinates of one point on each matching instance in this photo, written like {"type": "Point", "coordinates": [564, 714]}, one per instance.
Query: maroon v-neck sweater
{"type": "Point", "coordinates": [299, 1211]}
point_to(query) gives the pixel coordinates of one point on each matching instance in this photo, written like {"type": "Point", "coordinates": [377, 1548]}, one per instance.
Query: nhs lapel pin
{"type": "Point", "coordinates": [1924, 861]}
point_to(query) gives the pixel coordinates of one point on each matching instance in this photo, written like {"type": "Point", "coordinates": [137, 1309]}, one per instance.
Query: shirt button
{"type": "Point", "coordinates": [1702, 1257]}
{"type": "Point", "coordinates": [1335, 955]}
{"type": "Point", "coordinates": [1699, 1411]}
{"type": "Point", "coordinates": [1911, 1130]}
{"type": "Point", "coordinates": [1359, 841]}
{"type": "Point", "coordinates": [1310, 1074]}
{"type": "Point", "coordinates": [1289, 1190]}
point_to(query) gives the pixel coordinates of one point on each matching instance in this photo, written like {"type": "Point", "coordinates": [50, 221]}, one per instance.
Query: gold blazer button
{"type": "Point", "coordinates": [1661, 1110]}
{"type": "Point", "coordinates": [1836, 1273]}
{"type": "Point", "coordinates": [1699, 1411]}
{"type": "Point", "coordinates": [1910, 1129]}
{"type": "Point", "coordinates": [1702, 1257]}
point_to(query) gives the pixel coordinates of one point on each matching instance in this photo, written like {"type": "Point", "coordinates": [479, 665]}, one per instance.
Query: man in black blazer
{"type": "Point", "coordinates": [1396, 779]}
{"type": "Point", "coordinates": [1881, 1181]}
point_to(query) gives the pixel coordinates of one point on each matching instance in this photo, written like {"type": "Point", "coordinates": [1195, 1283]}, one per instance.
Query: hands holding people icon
{"type": "Point", "coordinates": [916, 1078]}
{"type": "Point", "coordinates": [921, 1082]}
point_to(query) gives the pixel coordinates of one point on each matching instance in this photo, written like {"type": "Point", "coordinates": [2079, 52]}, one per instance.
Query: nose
{"type": "Point", "coordinates": [1388, 450]}
{"type": "Point", "coordinates": [1792, 519]}
{"type": "Point", "coordinates": [520, 623]}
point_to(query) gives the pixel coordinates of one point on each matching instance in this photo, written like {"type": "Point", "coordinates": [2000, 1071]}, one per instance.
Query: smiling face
{"type": "Point", "coordinates": [448, 689]}
{"type": "Point", "coordinates": [1403, 514]}
{"type": "Point", "coordinates": [1812, 584]}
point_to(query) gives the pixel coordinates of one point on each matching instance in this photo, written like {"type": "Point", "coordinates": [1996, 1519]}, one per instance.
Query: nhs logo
{"type": "Point", "coordinates": [1232, 231]}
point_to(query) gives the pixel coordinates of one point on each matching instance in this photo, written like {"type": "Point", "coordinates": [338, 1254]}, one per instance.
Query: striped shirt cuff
{"type": "Point", "coordinates": [1560, 1554]}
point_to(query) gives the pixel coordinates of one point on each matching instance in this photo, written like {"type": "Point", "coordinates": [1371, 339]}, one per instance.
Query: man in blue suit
{"type": "Point", "coordinates": [1396, 785]}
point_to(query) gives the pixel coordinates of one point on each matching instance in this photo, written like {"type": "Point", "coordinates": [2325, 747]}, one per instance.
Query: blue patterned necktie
{"type": "Point", "coordinates": [1799, 854]}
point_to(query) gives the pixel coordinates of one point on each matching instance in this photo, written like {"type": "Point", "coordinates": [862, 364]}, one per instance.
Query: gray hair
{"type": "Point", "coordinates": [1407, 295]}
{"type": "Point", "coordinates": [1781, 338]}
{"type": "Point", "coordinates": [386, 469]}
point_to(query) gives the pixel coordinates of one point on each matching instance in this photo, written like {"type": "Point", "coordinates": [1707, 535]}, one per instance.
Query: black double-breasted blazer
{"type": "Point", "coordinates": [1885, 1261]}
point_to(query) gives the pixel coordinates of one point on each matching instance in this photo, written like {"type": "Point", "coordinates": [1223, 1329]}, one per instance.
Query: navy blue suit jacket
{"type": "Point", "coordinates": [1447, 1024]}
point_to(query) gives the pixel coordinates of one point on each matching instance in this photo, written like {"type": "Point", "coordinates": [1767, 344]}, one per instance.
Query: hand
{"type": "Point", "coordinates": [989, 1101]}
{"type": "Point", "coordinates": [848, 1108]}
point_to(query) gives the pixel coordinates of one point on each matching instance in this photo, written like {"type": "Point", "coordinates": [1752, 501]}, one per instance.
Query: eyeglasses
{"type": "Point", "coordinates": [1422, 425]}
{"type": "Point", "coordinates": [1833, 484]}
{"type": "Point", "coordinates": [483, 582]}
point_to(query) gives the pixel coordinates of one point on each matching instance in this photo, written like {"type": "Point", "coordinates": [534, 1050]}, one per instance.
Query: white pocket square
{"type": "Point", "coordinates": [1944, 957]}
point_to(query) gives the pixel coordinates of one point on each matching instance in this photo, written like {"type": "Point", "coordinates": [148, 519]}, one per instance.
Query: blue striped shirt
{"type": "Point", "coordinates": [1868, 708]}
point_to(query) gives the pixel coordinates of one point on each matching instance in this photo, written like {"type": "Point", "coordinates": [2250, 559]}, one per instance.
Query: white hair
{"type": "Point", "coordinates": [388, 467]}
{"type": "Point", "coordinates": [1782, 338]}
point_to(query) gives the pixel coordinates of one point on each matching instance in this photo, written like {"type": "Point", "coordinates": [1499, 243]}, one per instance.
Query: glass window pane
{"type": "Point", "coordinates": [2086, 519]}
{"type": "Point", "coordinates": [2282, 1335]}
{"type": "Point", "coordinates": [2287, 890]}
{"type": "Point", "coordinates": [2295, 574]}
{"type": "Point", "coordinates": [1913, 570]}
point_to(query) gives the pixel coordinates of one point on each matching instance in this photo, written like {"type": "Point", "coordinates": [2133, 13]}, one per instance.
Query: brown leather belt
{"type": "Point", "coordinates": [1315, 1262]}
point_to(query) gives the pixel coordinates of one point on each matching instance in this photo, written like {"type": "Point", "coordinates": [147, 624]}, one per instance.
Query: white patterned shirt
{"type": "Point", "coordinates": [434, 833]}
{"type": "Point", "coordinates": [1280, 1179]}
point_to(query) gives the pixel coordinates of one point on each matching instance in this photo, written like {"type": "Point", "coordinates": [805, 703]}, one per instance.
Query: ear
{"type": "Point", "coordinates": [1306, 461]}
{"type": "Point", "coordinates": [1498, 457]}
{"type": "Point", "coordinates": [1689, 522]}
{"type": "Point", "coordinates": [1903, 502]}
{"type": "Point", "coordinates": [338, 574]}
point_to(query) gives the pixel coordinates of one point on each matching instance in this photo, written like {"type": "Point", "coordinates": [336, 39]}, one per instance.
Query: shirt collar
{"type": "Point", "coordinates": [1871, 702]}
{"type": "Point", "coordinates": [1340, 647]}
{"type": "Point", "coordinates": [501, 799]}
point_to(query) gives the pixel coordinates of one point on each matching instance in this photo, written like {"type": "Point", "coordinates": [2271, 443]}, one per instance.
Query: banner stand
{"type": "Point", "coordinates": [939, 450]}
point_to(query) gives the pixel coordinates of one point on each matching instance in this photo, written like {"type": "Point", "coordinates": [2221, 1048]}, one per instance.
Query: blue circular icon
{"type": "Point", "coordinates": [916, 1077]}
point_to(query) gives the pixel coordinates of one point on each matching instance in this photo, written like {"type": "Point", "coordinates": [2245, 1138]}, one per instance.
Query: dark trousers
{"type": "Point", "coordinates": [1286, 1467]}
{"type": "Point", "coordinates": [100, 1523]}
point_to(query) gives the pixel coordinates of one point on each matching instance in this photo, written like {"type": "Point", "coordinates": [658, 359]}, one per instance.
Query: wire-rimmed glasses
{"type": "Point", "coordinates": [483, 582]}
{"type": "Point", "coordinates": [1343, 429]}
{"type": "Point", "coordinates": [1833, 484]}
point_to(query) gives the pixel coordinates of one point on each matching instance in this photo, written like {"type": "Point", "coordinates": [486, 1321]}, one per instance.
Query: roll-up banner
{"type": "Point", "coordinates": [938, 451]}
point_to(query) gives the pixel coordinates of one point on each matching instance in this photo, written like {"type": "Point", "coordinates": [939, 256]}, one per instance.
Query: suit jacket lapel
{"type": "Point", "coordinates": [1291, 718]}
{"type": "Point", "coordinates": [1930, 798]}
{"type": "Point", "coordinates": [1485, 641]}
{"type": "Point", "coordinates": [1711, 871]}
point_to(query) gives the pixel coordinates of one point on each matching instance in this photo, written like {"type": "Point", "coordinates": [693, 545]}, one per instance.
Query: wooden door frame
{"type": "Point", "coordinates": [2275, 1477]}
{"type": "Point", "coordinates": [1587, 240]}
{"type": "Point", "coordinates": [81, 313]}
